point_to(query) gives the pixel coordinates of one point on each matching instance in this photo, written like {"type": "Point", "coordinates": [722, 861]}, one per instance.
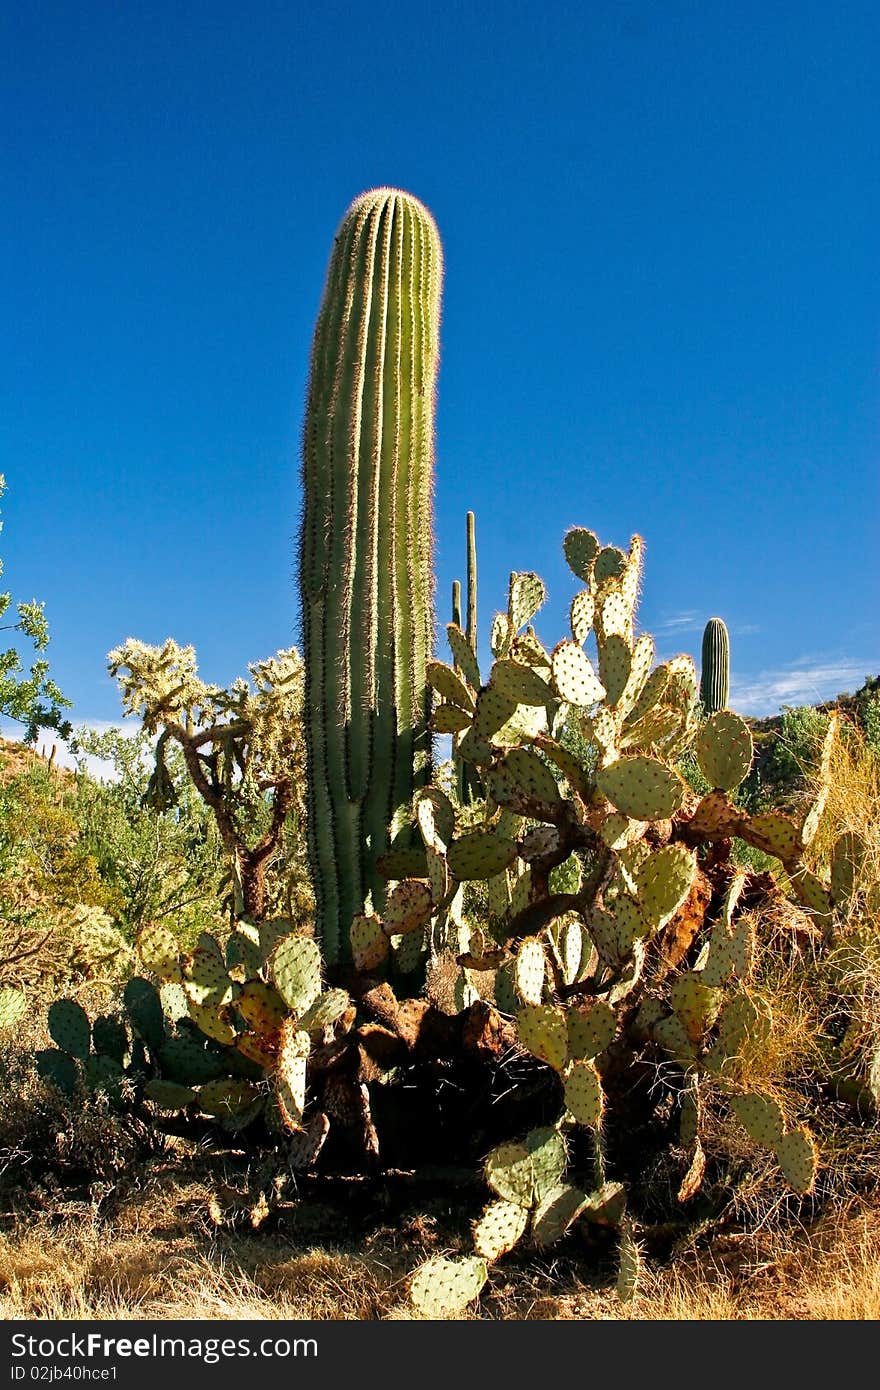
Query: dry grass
{"type": "Point", "coordinates": [159, 1254]}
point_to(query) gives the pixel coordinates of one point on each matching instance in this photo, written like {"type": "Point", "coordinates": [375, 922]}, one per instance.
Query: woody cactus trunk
{"type": "Point", "coordinates": [365, 567]}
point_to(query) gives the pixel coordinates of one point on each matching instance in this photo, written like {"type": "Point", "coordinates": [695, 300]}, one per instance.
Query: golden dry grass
{"type": "Point", "coordinates": [160, 1255]}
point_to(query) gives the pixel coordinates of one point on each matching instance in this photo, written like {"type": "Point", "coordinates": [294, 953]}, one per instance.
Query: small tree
{"type": "Point", "coordinates": [30, 699]}
{"type": "Point", "coordinates": [242, 747]}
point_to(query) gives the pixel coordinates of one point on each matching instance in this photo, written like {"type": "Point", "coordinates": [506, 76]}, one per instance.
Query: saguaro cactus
{"type": "Point", "coordinates": [365, 566]}
{"type": "Point", "coordinates": [715, 667]}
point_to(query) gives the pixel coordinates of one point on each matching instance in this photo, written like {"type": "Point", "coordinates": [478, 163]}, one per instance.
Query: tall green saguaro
{"type": "Point", "coordinates": [715, 666]}
{"type": "Point", "coordinates": [366, 585]}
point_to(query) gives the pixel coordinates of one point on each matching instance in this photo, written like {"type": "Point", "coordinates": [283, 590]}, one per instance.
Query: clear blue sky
{"type": "Point", "coordinates": [661, 226]}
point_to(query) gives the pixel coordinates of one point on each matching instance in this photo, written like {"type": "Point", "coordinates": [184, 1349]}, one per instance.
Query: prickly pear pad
{"type": "Point", "coordinates": [440, 1286]}
{"type": "Point", "coordinates": [642, 787]}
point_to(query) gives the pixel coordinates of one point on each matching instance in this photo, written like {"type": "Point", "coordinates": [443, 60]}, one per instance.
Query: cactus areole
{"type": "Point", "coordinates": [365, 557]}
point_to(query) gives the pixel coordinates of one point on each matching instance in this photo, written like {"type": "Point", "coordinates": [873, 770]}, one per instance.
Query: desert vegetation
{"type": "Point", "coordinates": [397, 982]}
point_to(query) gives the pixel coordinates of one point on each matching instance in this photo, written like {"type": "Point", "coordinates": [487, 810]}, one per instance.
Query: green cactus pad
{"type": "Point", "coordinates": [510, 1172]}
{"type": "Point", "coordinates": [729, 954]}
{"type": "Point", "coordinates": [574, 773]}
{"type": "Point", "coordinates": [206, 979]}
{"type": "Point", "coordinates": [305, 1144]}
{"type": "Point", "coordinates": [641, 787]}
{"type": "Point", "coordinates": [529, 970]}
{"type": "Point", "coordinates": [499, 1229]}
{"type": "Point", "coordinates": [520, 684]}
{"type": "Point", "coordinates": [441, 1287]}
{"type": "Point", "coordinates": [449, 719]}
{"type": "Point", "coordinates": [520, 891]}
{"type": "Point", "coordinates": [812, 893]}
{"type": "Point", "coordinates": [226, 1097]}
{"type": "Point", "coordinates": [500, 635]}
{"type": "Point", "coordinates": [690, 1114]}
{"type": "Point", "coordinates": [617, 830]}
{"type": "Point", "coordinates": [569, 945]}
{"type": "Point", "coordinates": [261, 1007]}
{"type": "Point", "coordinates": [408, 951]}
{"type": "Point", "coordinates": [761, 1117]}
{"type": "Point", "coordinates": [629, 580]}
{"type": "Point", "coordinates": [407, 908]}
{"type": "Point", "coordinates": [463, 655]}
{"type": "Point", "coordinates": [742, 1023]}
{"type": "Point", "coordinates": [525, 596]}
{"type": "Point", "coordinates": [438, 875]}
{"type": "Point", "coordinates": [606, 1206]}
{"type": "Point", "coordinates": [436, 817]}
{"type": "Point", "coordinates": [573, 675]}
{"type": "Point", "coordinates": [775, 834]}
{"type": "Point", "coordinates": [105, 1074]}
{"type": "Point", "coordinates": [327, 1009]}
{"type": "Point", "coordinates": [590, 1030]}
{"type": "Point", "coordinates": [159, 951]}
{"type": "Point", "coordinates": [505, 993]}
{"type": "Point", "coordinates": [641, 657]}
{"type": "Point", "coordinates": [290, 1074]}
{"type": "Point", "coordinates": [369, 943]}
{"type": "Point", "coordinates": [567, 877]}
{"type": "Point", "coordinates": [13, 1007]}
{"type": "Point", "coordinates": [605, 932]}
{"type": "Point", "coordinates": [632, 924]}
{"type": "Point", "coordinates": [59, 1069]}
{"type": "Point", "coordinates": [581, 548]}
{"type": "Point", "coordinates": [110, 1037]}
{"type": "Point", "coordinates": [542, 1031]}
{"type": "Point", "coordinates": [529, 651]}
{"type": "Point", "coordinates": [672, 1035]}
{"type": "Point", "coordinates": [652, 695]}
{"type": "Point", "coordinates": [212, 1021]}
{"type": "Point", "coordinates": [296, 970]}
{"type": "Point", "coordinates": [615, 662]}
{"type": "Point", "coordinates": [480, 854]}
{"type": "Point", "coordinates": [493, 711]}
{"type": "Point", "coordinates": [798, 1158]}
{"type": "Point", "coordinates": [613, 617]}
{"type": "Point", "coordinates": [695, 1004]}
{"type": "Point", "coordinates": [724, 750]}
{"type": "Point", "coordinates": [581, 616]}
{"type": "Point", "coordinates": [168, 1095]}
{"type": "Point", "coordinates": [610, 564]}
{"type": "Point", "coordinates": [532, 776]}
{"type": "Point", "coordinates": [184, 1059]}
{"type": "Point", "coordinates": [813, 815]}
{"type": "Point", "coordinates": [243, 949]}
{"type": "Point", "coordinates": [682, 688]}
{"type": "Point", "coordinates": [557, 1213]}
{"type": "Point", "coordinates": [583, 1094]}
{"type": "Point", "coordinates": [273, 930]}
{"type": "Point", "coordinates": [663, 883]}
{"type": "Point", "coordinates": [847, 860]}
{"type": "Point", "coordinates": [69, 1027]}
{"type": "Point", "coordinates": [449, 684]}
{"type": "Point", "coordinates": [630, 1266]}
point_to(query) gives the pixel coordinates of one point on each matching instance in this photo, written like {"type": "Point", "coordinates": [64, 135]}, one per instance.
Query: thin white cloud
{"type": "Point", "coordinates": [805, 682]}
{"type": "Point", "coordinates": [680, 622]}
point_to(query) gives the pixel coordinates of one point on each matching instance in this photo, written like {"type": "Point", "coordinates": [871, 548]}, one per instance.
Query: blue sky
{"type": "Point", "coordinates": [660, 310]}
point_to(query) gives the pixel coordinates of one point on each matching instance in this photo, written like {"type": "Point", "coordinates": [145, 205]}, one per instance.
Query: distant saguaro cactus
{"type": "Point", "coordinates": [715, 667]}
{"type": "Point", "coordinates": [365, 563]}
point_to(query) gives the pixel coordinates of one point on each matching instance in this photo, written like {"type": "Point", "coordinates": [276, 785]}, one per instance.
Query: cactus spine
{"type": "Point", "coordinates": [715, 667]}
{"type": "Point", "coordinates": [365, 565]}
